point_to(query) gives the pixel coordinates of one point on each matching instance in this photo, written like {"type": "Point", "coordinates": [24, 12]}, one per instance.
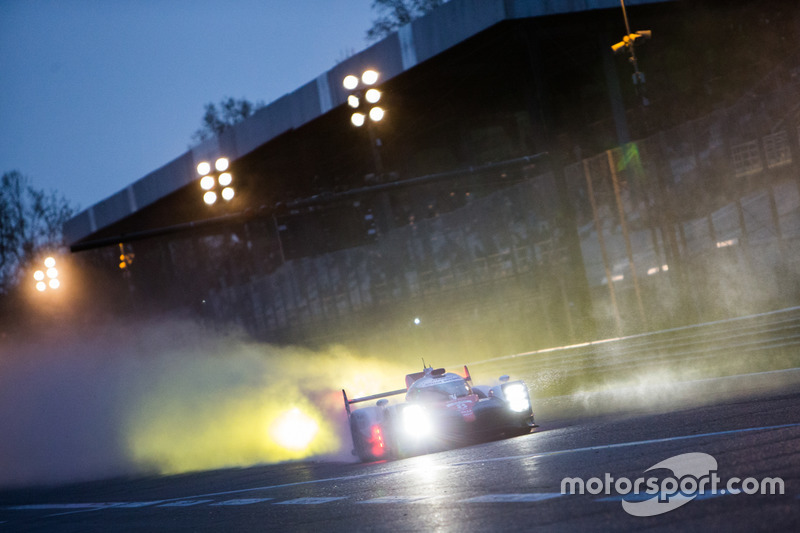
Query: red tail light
{"type": "Point", "coordinates": [376, 439]}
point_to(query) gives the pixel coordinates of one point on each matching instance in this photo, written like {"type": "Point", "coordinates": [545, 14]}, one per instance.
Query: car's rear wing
{"type": "Point", "coordinates": [347, 402]}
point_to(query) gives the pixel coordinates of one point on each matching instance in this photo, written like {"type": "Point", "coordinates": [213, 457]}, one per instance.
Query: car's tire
{"type": "Point", "coordinates": [362, 424]}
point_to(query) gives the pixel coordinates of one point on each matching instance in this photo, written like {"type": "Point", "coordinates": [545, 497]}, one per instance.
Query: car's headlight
{"type": "Point", "coordinates": [517, 397]}
{"type": "Point", "coordinates": [416, 421]}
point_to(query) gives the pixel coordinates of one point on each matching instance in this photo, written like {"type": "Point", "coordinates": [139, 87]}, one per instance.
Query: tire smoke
{"type": "Point", "coordinates": [170, 396]}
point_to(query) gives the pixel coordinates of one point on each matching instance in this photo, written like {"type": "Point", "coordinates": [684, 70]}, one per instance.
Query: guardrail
{"type": "Point", "coordinates": [765, 341]}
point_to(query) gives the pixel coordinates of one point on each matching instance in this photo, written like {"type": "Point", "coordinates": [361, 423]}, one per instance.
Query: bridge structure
{"type": "Point", "coordinates": [464, 52]}
{"type": "Point", "coordinates": [523, 175]}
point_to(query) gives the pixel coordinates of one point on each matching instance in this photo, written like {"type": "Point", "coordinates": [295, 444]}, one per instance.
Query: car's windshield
{"type": "Point", "coordinates": [440, 391]}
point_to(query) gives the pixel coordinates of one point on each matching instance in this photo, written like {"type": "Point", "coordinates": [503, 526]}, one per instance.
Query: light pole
{"type": "Point", "coordinates": [363, 98]}
{"type": "Point", "coordinates": [217, 180]}
{"type": "Point", "coordinates": [47, 278]}
{"type": "Point", "coordinates": [629, 43]}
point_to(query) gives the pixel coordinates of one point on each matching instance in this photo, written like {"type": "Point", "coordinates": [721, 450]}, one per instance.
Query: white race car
{"type": "Point", "coordinates": [441, 410]}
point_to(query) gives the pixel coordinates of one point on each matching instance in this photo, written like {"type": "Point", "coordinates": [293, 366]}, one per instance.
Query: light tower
{"type": "Point", "coordinates": [47, 278]}
{"type": "Point", "coordinates": [217, 182]}
{"type": "Point", "coordinates": [363, 98]}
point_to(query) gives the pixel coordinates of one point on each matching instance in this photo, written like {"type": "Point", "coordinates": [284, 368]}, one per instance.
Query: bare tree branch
{"type": "Point", "coordinates": [30, 221]}
{"type": "Point", "coordinates": [218, 118]}
{"type": "Point", "coordinates": [392, 14]}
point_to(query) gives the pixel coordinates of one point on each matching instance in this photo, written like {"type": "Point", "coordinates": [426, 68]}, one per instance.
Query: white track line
{"type": "Point", "coordinates": [627, 444]}
{"type": "Point", "coordinates": [99, 507]}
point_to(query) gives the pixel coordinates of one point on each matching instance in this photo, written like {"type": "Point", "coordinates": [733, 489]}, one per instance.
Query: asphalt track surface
{"type": "Point", "coordinates": [749, 424]}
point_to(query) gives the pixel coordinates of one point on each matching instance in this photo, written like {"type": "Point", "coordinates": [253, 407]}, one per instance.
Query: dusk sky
{"type": "Point", "coordinates": [98, 93]}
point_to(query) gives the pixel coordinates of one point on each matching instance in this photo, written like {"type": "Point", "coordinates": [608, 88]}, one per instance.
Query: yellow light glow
{"type": "Point", "coordinates": [353, 101]}
{"type": "Point", "coordinates": [357, 119]}
{"type": "Point", "coordinates": [203, 168]}
{"type": "Point", "coordinates": [41, 286]}
{"type": "Point", "coordinates": [222, 164]}
{"type": "Point", "coordinates": [225, 179]}
{"type": "Point", "coordinates": [376, 114]}
{"type": "Point", "coordinates": [54, 284]}
{"type": "Point", "coordinates": [50, 262]}
{"type": "Point", "coordinates": [294, 430]}
{"type": "Point", "coordinates": [52, 273]}
{"type": "Point", "coordinates": [207, 182]}
{"type": "Point", "coordinates": [183, 430]}
{"type": "Point", "coordinates": [200, 411]}
{"type": "Point", "coordinates": [38, 275]}
{"type": "Point", "coordinates": [350, 82]}
{"type": "Point", "coordinates": [227, 194]}
{"type": "Point", "coordinates": [210, 197]}
{"type": "Point", "coordinates": [369, 77]}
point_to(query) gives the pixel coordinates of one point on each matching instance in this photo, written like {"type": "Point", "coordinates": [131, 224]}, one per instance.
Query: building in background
{"type": "Point", "coordinates": [521, 191]}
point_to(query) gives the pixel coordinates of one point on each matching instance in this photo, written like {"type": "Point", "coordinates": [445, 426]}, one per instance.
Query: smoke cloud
{"type": "Point", "coordinates": [168, 397]}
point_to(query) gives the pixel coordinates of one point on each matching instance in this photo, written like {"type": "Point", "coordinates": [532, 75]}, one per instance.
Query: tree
{"type": "Point", "coordinates": [393, 14]}
{"type": "Point", "coordinates": [218, 119]}
{"type": "Point", "coordinates": [31, 220]}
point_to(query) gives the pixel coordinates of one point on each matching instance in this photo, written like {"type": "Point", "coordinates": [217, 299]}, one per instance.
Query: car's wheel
{"type": "Point", "coordinates": [368, 432]}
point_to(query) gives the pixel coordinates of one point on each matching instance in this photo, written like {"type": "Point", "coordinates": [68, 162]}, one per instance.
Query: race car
{"type": "Point", "coordinates": [442, 410]}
